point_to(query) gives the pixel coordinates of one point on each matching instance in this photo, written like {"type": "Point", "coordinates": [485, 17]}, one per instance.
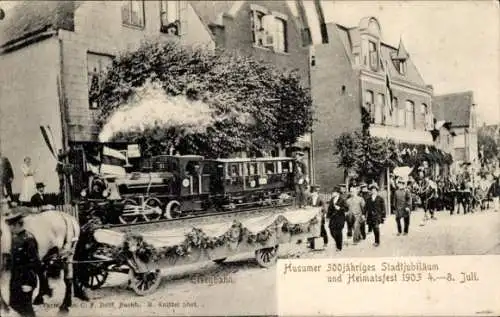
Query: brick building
{"type": "Point", "coordinates": [52, 51]}
{"type": "Point", "coordinates": [277, 32]}
{"type": "Point", "coordinates": [460, 110]}
{"type": "Point", "coordinates": [348, 73]}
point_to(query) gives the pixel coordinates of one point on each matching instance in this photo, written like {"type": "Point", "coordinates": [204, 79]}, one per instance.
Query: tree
{"type": "Point", "coordinates": [488, 147]}
{"type": "Point", "coordinates": [245, 104]}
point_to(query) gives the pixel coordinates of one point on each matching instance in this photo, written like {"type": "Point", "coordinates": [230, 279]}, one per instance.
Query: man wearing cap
{"type": "Point", "coordinates": [300, 179]}
{"type": "Point", "coordinates": [38, 199]}
{"type": "Point", "coordinates": [401, 203]}
{"type": "Point", "coordinates": [337, 209]}
{"type": "Point", "coordinates": [375, 212]}
{"type": "Point", "coordinates": [25, 263]}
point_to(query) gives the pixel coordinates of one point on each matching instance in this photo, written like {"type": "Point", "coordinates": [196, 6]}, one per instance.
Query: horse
{"type": "Point", "coordinates": [57, 234]}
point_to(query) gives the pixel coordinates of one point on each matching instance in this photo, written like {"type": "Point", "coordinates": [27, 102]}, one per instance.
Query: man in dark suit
{"type": "Point", "coordinates": [316, 201]}
{"type": "Point", "coordinates": [38, 199]}
{"type": "Point", "coordinates": [6, 176]}
{"type": "Point", "coordinates": [375, 212]}
{"type": "Point", "coordinates": [336, 215]}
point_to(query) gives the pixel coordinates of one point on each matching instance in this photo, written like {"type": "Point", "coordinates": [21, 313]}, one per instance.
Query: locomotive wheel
{"type": "Point", "coordinates": [152, 210]}
{"type": "Point", "coordinates": [144, 283]}
{"type": "Point", "coordinates": [173, 209]}
{"type": "Point", "coordinates": [267, 257]}
{"type": "Point", "coordinates": [124, 218]}
{"type": "Point", "coordinates": [95, 276]}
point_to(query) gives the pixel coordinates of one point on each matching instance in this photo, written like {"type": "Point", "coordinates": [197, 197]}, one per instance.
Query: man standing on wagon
{"type": "Point", "coordinates": [300, 179]}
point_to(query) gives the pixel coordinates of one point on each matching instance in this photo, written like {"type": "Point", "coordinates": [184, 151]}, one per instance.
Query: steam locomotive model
{"type": "Point", "coordinates": [172, 186]}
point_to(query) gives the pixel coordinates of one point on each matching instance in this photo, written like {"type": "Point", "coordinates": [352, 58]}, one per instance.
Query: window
{"type": "Point", "coordinates": [170, 17]}
{"type": "Point", "coordinates": [281, 43]}
{"type": "Point", "coordinates": [96, 67]}
{"type": "Point", "coordinates": [410, 114]}
{"type": "Point", "coordinates": [269, 31]}
{"type": "Point", "coordinates": [256, 26]}
{"type": "Point", "coordinates": [379, 109]}
{"type": "Point", "coordinates": [402, 67]}
{"type": "Point", "coordinates": [395, 112]}
{"type": "Point", "coordinates": [133, 13]}
{"type": "Point", "coordinates": [373, 55]}
{"type": "Point", "coordinates": [356, 59]}
{"type": "Point", "coordinates": [370, 105]}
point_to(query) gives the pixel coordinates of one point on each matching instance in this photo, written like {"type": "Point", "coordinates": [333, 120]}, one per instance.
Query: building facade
{"type": "Point", "coordinates": [276, 32]}
{"type": "Point", "coordinates": [460, 110]}
{"type": "Point", "coordinates": [54, 49]}
{"type": "Point", "coordinates": [356, 69]}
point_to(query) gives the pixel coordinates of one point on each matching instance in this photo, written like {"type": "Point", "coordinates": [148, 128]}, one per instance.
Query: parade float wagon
{"type": "Point", "coordinates": [172, 210]}
{"type": "Point", "coordinates": [142, 250]}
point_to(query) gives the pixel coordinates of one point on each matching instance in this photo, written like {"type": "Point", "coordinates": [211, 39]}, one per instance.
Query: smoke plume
{"type": "Point", "coordinates": [151, 107]}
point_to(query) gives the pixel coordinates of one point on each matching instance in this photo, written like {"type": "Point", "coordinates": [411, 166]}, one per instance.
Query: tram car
{"type": "Point", "coordinates": [173, 186]}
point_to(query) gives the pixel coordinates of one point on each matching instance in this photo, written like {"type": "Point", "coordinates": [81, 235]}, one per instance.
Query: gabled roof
{"type": "Point", "coordinates": [351, 39]}
{"type": "Point", "coordinates": [29, 18]}
{"type": "Point", "coordinates": [455, 108]}
{"type": "Point", "coordinates": [401, 53]}
{"type": "Point", "coordinates": [210, 12]}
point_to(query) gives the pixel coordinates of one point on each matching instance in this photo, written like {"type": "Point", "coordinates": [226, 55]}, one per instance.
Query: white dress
{"type": "Point", "coordinates": [28, 188]}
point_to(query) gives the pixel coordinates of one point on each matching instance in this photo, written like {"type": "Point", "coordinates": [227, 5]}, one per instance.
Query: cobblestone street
{"type": "Point", "coordinates": [241, 287]}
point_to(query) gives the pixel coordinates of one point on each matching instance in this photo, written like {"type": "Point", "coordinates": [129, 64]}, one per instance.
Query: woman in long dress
{"type": "Point", "coordinates": [28, 188]}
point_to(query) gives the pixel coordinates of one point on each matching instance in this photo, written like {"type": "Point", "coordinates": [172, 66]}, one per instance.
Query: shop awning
{"type": "Point", "coordinates": [402, 135]}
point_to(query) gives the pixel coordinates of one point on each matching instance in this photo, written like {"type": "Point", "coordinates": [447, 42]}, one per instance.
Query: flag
{"type": "Point", "coordinates": [388, 85]}
{"type": "Point", "coordinates": [47, 138]}
{"type": "Point", "coordinates": [112, 162]}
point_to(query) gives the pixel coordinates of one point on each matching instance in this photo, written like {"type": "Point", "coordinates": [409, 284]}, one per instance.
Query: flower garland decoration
{"type": "Point", "coordinates": [197, 239]}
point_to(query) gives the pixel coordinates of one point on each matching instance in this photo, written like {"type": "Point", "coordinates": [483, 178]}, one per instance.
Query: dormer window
{"type": "Point", "coordinates": [373, 55]}
{"type": "Point", "coordinates": [170, 17]}
{"type": "Point", "coordinates": [402, 67]}
{"type": "Point", "coordinates": [269, 29]}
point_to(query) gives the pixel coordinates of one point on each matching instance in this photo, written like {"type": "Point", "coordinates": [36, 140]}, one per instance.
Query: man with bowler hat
{"type": "Point", "coordinates": [337, 209]}
{"type": "Point", "coordinates": [38, 199]}
{"type": "Point", "coordinates": [375, 212]}
{"type": "Point", "coordinates": [25, 263]}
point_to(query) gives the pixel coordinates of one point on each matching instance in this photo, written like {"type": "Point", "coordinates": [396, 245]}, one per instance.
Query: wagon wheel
{"type": "Point", "coordinates": [220, 261]}
{"type": "Point", "coordinates": [173, 209]}
{"type": "Point", "coordinates": [95, 276]}
{"type": "Point", "coordinates": [144, 283]}
{"type": "Point", "coordinates": [152, 208]}
{"type": "Point", "coordinates": [267, 257]}
{"type": "Point", "coordinates": [124, 217]}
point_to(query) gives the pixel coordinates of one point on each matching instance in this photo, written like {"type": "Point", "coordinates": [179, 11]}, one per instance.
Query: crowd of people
{"type": "Point", "coordinates": [363, 208]}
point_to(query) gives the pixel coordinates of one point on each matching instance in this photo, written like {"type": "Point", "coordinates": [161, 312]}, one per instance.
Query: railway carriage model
{"type": "Point", "coordinates": [173, 186]}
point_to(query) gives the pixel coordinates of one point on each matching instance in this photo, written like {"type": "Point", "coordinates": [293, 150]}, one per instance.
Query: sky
{"type": "Point", "coordinates": [454, 44]}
